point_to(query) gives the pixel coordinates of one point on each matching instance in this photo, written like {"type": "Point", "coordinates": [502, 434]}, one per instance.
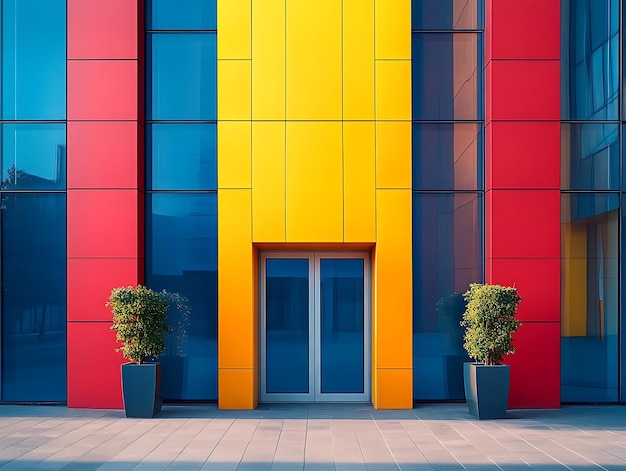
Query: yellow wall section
{"type": "Point", "coordinates": [314, 60]}
{"type": "Point", "coordinates": [268, 59]}
{"type": "Point", "coordinates": [314, 127]}
{"type": "Point", "coordinates": [314, 182]}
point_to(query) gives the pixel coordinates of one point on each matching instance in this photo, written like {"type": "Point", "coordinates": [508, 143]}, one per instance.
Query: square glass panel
{"type": "Point", "coordinates": [446, 14]}
{"type": "Point", "coordinates": [181, 14]}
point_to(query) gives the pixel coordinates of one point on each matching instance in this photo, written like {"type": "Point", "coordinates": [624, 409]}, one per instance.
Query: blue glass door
{"type": "Point", "coordinates": [314, 327]}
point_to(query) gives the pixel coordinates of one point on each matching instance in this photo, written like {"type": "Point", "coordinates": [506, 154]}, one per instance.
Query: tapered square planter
{"type": "Point", "coordinates": [140, 388]}
{"type": "Point", "coordinates": [486, 390]}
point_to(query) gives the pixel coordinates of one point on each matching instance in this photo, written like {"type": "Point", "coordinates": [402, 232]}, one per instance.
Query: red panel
{"type": "Point", "coordinates": [488, 156]}
{"type": "Point", "coordinates": [104, 154]}
{"type": "Point", "coordinates": [102, 90]}
{"type": "Point", "coordinates": [523, 154]}
{"type": "Point", "coordinates": [93, 366]}
{"type": "Point", "coordinates": [104, 224]}
{"type": "Point", "coordinates": [524, 90]}
{"type": "Point", "coordinates": [103, 29]}
{"type": "Point", "coordinates": [528, 29]}
{"type": "Point", "coordinates": [535, 367]}
{"type": "Point", "coordinates": [523, 224]}
{"type": "Point", "coordinates": [538, 283]}
{"type": "Point", "coordinates": [90, 281]}
{"type": "Point", "coordinates": [488, 93]}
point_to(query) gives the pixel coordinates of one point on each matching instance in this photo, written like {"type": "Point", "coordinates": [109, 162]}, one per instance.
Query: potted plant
{"type": "Point", "coordinates": [139, 318]}
{"type": "Point", "coordinates": [489, 321]}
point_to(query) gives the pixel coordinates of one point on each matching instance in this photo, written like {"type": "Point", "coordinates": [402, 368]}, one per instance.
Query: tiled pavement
{"type": "Point", "coordinates": [312, 437]}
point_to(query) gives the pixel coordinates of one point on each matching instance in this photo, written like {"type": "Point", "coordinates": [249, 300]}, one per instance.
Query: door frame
{"type": "Point", "coordinates": [315, 394]}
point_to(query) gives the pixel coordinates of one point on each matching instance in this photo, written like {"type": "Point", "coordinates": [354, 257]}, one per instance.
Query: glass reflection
{"type": "Point", "coordinates": [33, 157]}
{"type": "Point", "coordinates": [447, 257]}
{"type": "Point", "coordinates": [33, 59]}
{"type": "Point", "coordinates": [342, 329]}
{"type": "Point", "coordinates": [181, 237]}
{"type": "Point", "coordinates": [287, 325]}
{"type": "Point", "coordinates": [445, 156]}
{"type": "Point", "coordinates": [590, 156]}
{"type": "Point", "coordinates": [184, 156]}
{"type": "Point", "coordinates": [446, 14]}
{"type": "Point", "coordinates": [33, 297]}
{"type": "Point", "coordinates": [589, 59]}
{"type": "Point", "coordinates": [589, 297]}
{"type": "Point", "coordinates": [183, 81]}
{"type": "Point", "coordinates": [181, 14]}
{"type": "Point", "coordinates": [447, 78]}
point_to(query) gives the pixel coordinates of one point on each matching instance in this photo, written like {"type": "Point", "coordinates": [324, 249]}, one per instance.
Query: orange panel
{"type": "Point", "coordinates": [104, 154]}
{"type": "Point", "coordinates": [104, 29]}
{"type": "Point", "coordinates": [235, 279]}
{"type": "Point", "coordinates": [394, 389]}
{"type": "Point", "coordinates": [393, 275]}
{"type": "Point", "coordinates": [103, 90]}
{"type": "Point", "coordinates": [393, 29]}
{"type": "Point", "coordinates": [237, 389]}
{"type": "Point", "coordinates": [393, 155]}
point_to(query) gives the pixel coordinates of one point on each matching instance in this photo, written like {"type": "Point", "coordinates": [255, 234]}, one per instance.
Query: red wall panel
{"type": "Point", "coordinates": [523, 90]}
{"type": "Point", "coordinates": [93, 366]}
{"type": "Point", "coordinates": [92, 280]}
{"type": "Point", "coordinates": [528, 29]}
{"type": "Point", "coordinates": [104, 154]}
{"type": "Point", "coordinates": [523, 224]}
{"type": "Point", "coordinates": [104, 29]}
{"type": "Point", "coordinates": [535, 366]}
{"type": "Point", "coordinates": [525, 151]}
{"type": "Point", "coordinates": [103, 224]}
{"type": "Point", "coordinates": [105, 90]}
{"type": "Point", "coordinates": [537, 281]}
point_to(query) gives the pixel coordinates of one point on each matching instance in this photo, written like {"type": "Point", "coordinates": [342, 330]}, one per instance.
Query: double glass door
{"type": "Point", "coordinates": [314, 327]}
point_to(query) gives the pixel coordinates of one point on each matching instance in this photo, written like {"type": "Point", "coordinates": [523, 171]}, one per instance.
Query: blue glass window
{"type": "Point", "coordinates": [184, 156]}
{"type": "Point", "coordinates": [181, 246]}
{"type": "Point", "coordinates": [447, 257]}
{"type": "Point", "coordinates": [183, 80]}
{"type": "Point", "coordinates": [33, 297]}
{"type": "Point", "coordinates": [33, 157]}
{"type": "Point", "coordinates": [181, 14]}
{"type": "Point", "coordinates": [447, 156]}
{"type": "Point", "coordinates": [589, 59]}
{"type": "Point", "coordinates": [590, 156]}
{"type": "Point", "coordinates": [447, 76]}
{"type": "Point", "coordinates": [33, 59]}
{"type": "Point", "coordinates": [447, 14]}
{"type": "Point", "coordinates": [589, 297]}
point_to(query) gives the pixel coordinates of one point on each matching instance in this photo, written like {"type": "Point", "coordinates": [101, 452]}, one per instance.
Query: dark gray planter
{"type": "Point", "coordinates": [486, 390]}
{"type": "Point", "coordinates": [140, 387]}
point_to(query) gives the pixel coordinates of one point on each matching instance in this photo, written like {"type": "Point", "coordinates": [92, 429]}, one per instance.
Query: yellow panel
{"type": "Point", "coordinates": [314, 84]}
{"type": "Point", "coordinates": [236, 309]}
{"type": "Point", "coordinates": [393, 29]}
{"type": "Point", "coordinates": [358, 59]}
{"type": "Point", "coordinates": [395, 389]}
{"type": "Point", "coordinates": [237, 389]}
{"type": "Point", "coordinates": [233, 90]}
{"type": "Point", "coordinates": [314, 182]}
{"type": "Point", "coordinates": [268, 59]}
{"type": "Point", "coordinates": [393, 154]}
{"type": "Point", "coordinates": [393, 90]}
{"type": "Point", "coordinates": [359, 181]}
{"type": "Point", "coordinates": [268, 181]}
{"type": "Point", "coordinates": [233, 154]}
{"type": "Point", "coordinates": [374, 329]}
{"type": "Point", "coordinates": [393, 271]}
{"type": "Point", "coordinates": [233, 24]}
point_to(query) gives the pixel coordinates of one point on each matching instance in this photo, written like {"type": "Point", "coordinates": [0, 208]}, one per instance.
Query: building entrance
{"type": "Point", "coordinates": [315, 327]}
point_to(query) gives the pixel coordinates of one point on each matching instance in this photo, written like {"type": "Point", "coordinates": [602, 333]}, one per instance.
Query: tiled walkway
{"type": "Point", "coordinates": [314, 437]}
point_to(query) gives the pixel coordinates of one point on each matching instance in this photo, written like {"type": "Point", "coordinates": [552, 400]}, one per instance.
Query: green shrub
{"type": "Point", "coordinates": [489, 321]}
{"type": "Point", "coordinates": [139, 318]}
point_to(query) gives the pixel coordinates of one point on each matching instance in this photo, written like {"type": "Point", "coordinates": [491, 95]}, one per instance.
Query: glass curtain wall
{"type": "Point", "coordinates": [447, 75]}
{"type": "Point", "coordinates": [181, 186]}
{"type": "Point", "coordinates": [590, 201]}
{"type": "Point", "coordinates": [33, 201]}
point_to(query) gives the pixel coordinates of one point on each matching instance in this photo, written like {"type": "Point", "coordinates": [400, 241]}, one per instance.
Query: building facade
{"type": "Point", "coordinates": [321, 180]}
